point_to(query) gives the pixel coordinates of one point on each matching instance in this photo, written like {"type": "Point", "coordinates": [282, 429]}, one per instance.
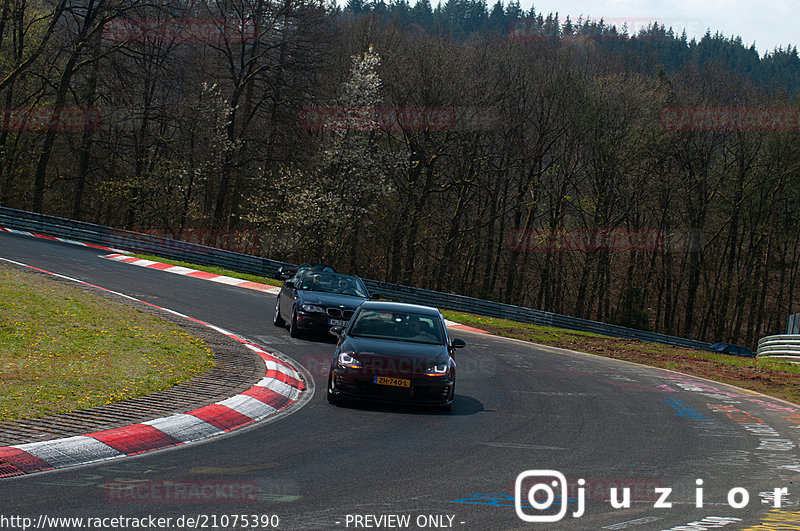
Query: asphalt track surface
{"type": "Point", "coordinates": [518, 407]}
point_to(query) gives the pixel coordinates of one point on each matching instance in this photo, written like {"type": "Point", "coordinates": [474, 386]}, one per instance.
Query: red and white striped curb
{"type": "Point", "coordinates": [463, 327]}
{"type": "Point", "coordinates": [180, 270]}
{"type": "Point", "coordinates": [63, 240]}
{"type": "Point", "coordinates": [280, 387]}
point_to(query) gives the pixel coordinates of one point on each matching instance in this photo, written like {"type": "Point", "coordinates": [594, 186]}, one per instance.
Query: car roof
{"type": "Point", "coordinates": [316, 266]}
{"type": "Point", "coordinates": [400, 307]}
{"type": "Point", "coordinates": [329, 274]}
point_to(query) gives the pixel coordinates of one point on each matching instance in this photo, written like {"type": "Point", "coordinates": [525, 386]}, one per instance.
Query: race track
{"type": "Point", "coordinates": [518, 407]}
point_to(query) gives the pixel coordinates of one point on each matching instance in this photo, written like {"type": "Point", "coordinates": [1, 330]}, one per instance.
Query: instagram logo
{"type": "Point", "coordinates": [544, 489]}
{"type": "Point", "coordinates": [541, 496]}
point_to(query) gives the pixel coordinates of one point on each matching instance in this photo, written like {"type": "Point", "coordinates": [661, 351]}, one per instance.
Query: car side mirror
{"type": "Point", "coordinates": [289, 284]}
{"type": "Point", "coordinates": [336, 331]}
{"type": "Point", "coordinates": [457, 343]}
{"type": "Point", "coordinates": [375, 295]}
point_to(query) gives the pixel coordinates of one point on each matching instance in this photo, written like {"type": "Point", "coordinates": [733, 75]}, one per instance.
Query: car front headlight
{"type": "Point", "coordinates": [347, 360]}
{"type": "Point", "coordinates": [312, 309]}
{"type": "Point", "coordinates": [437, 370]}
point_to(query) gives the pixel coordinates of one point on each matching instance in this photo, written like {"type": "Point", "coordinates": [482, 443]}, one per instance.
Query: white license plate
{"type": "Point", "coordinates": [337, 322]}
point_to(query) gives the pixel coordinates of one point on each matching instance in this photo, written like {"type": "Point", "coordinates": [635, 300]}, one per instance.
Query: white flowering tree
{"type": "Point", "coordinates": [325, 209]}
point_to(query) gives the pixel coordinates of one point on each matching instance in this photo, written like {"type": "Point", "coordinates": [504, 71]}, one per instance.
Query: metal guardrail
{"type": "Point", "coordinates": [785, 347]}
{"type": "Point", "coordinates": [522, 314]}
{"type": "Point", "coordinates": [793, 324]}
{"type": "Point", "coordinates": [209, 256]}
{"type": "Point", "coordinates": [137, 242]}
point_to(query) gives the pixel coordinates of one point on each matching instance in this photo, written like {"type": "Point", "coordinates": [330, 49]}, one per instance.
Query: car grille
{"type": "Point", "coordinates": [433, 392]}
{"type": "Point", "coordinates": [371, 389]}
{"type": "Point", "coordinates": [340, 313]}
{"type": "Point", "coordinates": [424, 392]}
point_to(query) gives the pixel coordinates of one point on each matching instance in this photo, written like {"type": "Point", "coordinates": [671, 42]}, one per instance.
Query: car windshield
{"type": "Point", "coordinates": [411, 327]}
{"type": "Point", "coordinates": [333, 283]}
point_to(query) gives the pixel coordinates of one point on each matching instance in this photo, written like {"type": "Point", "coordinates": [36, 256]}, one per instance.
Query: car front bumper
{"type": "Point", "coordinates": [422, 391]}
{"type": "Point", "coordinates": [318, 322]}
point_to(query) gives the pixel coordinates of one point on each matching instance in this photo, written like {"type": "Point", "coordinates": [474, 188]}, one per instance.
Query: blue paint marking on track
{"type": "Point", "coordinates": [684, 410]}
{"type": "Point", "coordinates": [502, 500]}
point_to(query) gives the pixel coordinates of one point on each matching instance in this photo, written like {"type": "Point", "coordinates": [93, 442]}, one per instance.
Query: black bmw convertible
{"type": "Point", "coordinates": [314, 301]}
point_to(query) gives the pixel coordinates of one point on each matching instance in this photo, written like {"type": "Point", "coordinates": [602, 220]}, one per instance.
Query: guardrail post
{"type": "Point", "coordinates": [793, 324]}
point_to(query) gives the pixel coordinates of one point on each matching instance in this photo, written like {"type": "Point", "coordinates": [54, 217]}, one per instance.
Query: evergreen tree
{"type": "Point", "coordinates": [354, 7]}
{"type": "Point", "coordinates": [498, 22]}
{"type": "Point", "coordinates": [422, 14]}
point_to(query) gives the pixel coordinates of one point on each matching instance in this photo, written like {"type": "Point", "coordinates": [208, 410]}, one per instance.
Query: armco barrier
{"type": "Point", "coordinates": [463, 303]}
{"type": "Point", "coordinates": [137, 242]}
{"type": "Point", "coordinates": [793, 324]}
{"type": "Point", "coordinates": [209, 256]}
{"type": "Point", "coordinates": [785, 347]}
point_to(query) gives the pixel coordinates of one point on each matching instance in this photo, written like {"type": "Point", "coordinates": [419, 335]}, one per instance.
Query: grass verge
{"type": "Point", "coordinates": [773, 378]}
{"type": "Point", "coordinates": [63, 348]}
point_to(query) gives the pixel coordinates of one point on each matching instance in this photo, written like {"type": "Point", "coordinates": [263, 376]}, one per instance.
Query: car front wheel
{"type": "Point", "coordinates": [294, 331]}
{"type": "Point", "coordinates": [332, 398]}
{"type": "Point", "coordinates": [278, 320]}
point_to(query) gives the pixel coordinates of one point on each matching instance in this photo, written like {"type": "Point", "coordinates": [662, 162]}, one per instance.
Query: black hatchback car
{"type": "Point", "coordinates": [315, 300]}
{"type": "Point", "coordinates": [394, 352]}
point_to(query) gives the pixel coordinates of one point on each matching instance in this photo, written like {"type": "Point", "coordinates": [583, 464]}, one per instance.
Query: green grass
{"type": "Point", "coordinates": [529, 332]}
{"type": "Point", "coordinates": [634, 350]}
{"type": "Point", "coordinates": [63, 348]}
{"type": "Point", "coordinates": [215, 270]}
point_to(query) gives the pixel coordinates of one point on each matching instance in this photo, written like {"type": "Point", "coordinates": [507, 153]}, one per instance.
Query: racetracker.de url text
{"type": "Point", "coordinates": [198, 521]}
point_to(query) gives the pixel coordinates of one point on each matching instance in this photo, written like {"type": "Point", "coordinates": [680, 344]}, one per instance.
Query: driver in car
{"type": "Point", "coordinates": [314, 283]}
{"type": "Point", "coordinates": [344, 285]}
{"type": "Point", "coordinates": [417, 331]}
